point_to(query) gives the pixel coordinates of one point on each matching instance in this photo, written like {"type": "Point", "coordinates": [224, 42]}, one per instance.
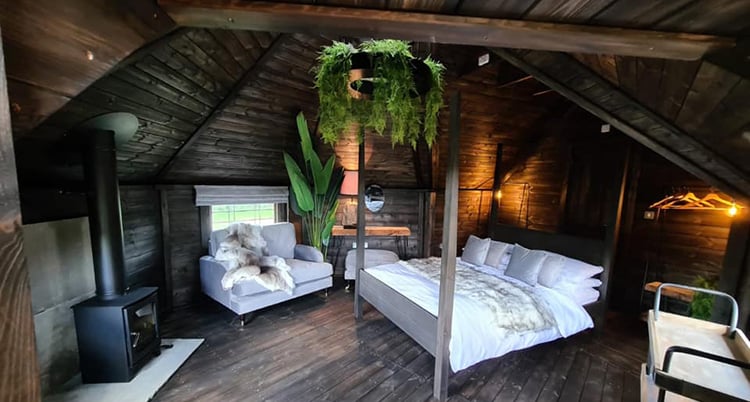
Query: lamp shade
{"type": "Point", "coordinates": [350, 184]}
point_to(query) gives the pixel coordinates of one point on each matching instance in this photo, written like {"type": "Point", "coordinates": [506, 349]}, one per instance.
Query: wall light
{"type": "Point", "coordinates": [732, 211]}
{"type": "Point", "coordinates": [499, 194]}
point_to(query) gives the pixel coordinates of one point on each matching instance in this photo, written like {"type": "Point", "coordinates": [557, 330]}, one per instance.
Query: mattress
{"type": "Point", "coordinates": [474, 338]}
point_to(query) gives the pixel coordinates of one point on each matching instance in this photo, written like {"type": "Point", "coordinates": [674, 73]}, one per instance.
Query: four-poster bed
{"type": "Point", "coordinates": [433, 331]}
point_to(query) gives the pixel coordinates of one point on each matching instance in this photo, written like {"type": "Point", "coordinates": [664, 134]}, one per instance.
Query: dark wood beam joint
{"type": "Point", "coordinates": [662, 137]}
{"type": "Point", "coordinates": [250, 75]}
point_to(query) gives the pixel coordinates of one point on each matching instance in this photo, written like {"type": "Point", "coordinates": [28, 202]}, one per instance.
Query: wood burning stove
{"type": "Point", "coordinates": [117, 337]}
{"type": "Point", "coordinates": [117, 330]}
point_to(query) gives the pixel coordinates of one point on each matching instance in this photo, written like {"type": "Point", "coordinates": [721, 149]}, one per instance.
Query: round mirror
{"type": "Point", "coordinates": [374, 199]}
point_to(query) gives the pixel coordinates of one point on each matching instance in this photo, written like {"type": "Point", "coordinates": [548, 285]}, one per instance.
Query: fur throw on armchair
{"type": "Point", "coordinates": [244, 253]}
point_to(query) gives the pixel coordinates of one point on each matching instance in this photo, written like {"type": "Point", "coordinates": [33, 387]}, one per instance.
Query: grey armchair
{"type": "Point", "coordinates": [310, 272]}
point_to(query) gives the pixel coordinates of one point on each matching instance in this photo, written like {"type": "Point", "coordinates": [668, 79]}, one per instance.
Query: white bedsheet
{"type": "Point", "coordinates": [475, 339]}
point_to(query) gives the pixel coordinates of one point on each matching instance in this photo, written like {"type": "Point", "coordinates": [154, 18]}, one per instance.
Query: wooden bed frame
{"type": "Point", "coordinates": [422, 325]}
{"type": "Point", "coordinates": [434, 332]}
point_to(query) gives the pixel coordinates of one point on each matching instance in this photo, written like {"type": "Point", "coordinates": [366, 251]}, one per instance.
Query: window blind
{"type": "Point", "coordinates": [229, 195]}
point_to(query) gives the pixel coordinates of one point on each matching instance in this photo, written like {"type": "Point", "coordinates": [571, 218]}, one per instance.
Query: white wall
{"type": "Point", "coordinates": [61, 271]}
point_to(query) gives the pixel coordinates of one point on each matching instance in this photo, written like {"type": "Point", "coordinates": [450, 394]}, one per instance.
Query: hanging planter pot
{"type": "Point", "coordinates": [379, 82]}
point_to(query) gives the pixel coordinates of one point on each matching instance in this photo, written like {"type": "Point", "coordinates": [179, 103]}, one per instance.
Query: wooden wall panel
{"type": "Point", "coordinates": [19, 371]}
{"type": "Point", "coordinates": [47, 45]}
{"type": "Point", "coordinates": [141, 223]}
{"type": "Point", "coordinates": [246, 142]}
{"type": "Point", "coordinates": [473, 214]}
{"type": "Point", "coordinates": [531, 197]}
{"type": "Point", "coordinates": [171, 86]}
{"type": "Point", "coordinates": [677, 247]}
{"type": "Point", "coordinates": [185, 244]}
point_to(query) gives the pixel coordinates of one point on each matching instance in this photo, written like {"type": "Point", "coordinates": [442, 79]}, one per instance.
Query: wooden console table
{"type": "Point", "coordinates": [400, 233]}
{"type": "Point", "coordinates": [373, 231]}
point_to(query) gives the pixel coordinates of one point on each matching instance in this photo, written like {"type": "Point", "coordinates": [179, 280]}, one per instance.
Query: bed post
{"type": "Point", "coordinates": [448, 259]}
{"type": "Point", "coordinates": [611, 238]}
{"type": "Point", "coordinates": [360, 223]}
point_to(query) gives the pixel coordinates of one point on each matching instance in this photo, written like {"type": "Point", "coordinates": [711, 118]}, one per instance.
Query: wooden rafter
{"type": "Point", "coordinates": [425, 27]}
{"type": "Point", "coordinates": [596, 95]}
{"type": "Point", "coordinates": [250, 75]}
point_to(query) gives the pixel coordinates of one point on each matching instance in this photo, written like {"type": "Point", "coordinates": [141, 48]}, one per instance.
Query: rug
{"type": "Point", "coordinates": [145, 384]}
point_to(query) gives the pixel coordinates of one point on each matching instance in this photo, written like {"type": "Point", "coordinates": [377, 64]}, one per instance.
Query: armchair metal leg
{"type": "Point", "coordinates": [245, 318]}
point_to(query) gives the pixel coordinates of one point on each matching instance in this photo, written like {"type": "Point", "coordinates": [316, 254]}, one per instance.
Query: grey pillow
{"type": "Point", "coordinates": [475, 250]}
{"type": "Point", "coordinates": [549, 275]}
{"type": "Point", "coordinates": [498, 254]}
{"type": "Point", "coordinates": [525, 264]}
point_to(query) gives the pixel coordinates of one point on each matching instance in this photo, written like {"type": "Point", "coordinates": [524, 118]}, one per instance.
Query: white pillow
{"type": "Point", "coordinates": [565, 286]}
{"type": "Point", "coordinates": [525, 264]}
{"type": "Point", "coordinates": [498, 255]}
{"type": "Point", "coordinates": [475, 250]}
{"type": "Point", "coordinates": [549, 274]}
{"type": "Point", "coordinates": [576, 271]}
{"type": "Point", "coordinates": [584, 296]}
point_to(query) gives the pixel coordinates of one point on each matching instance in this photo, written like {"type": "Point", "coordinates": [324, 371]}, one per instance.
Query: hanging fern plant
{"type": "Point", "coordinates": [394, 94]}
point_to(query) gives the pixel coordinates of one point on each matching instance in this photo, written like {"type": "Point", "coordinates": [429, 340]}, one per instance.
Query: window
{"type": "Point", "coordinates": [257, 214]}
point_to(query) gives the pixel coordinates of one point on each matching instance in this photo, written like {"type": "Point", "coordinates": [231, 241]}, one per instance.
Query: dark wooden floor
{"type": "Point", "coordinates": [311, 349]}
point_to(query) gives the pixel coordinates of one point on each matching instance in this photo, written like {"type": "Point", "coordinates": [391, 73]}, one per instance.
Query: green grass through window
{"type": "Point", "coordinates": [257, 214]}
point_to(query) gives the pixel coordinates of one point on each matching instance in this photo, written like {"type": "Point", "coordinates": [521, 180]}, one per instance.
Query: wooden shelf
{"type": "Point", "coordinates": [383, 231]}
{"type": "Point", "coordinates": [685, 295]}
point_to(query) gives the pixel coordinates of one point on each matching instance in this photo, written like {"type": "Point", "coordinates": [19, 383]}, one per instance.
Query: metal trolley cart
{"type": "Point", "coordinates": [691, 359]}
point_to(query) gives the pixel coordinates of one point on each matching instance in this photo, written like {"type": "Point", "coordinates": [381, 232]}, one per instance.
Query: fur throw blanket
{"type": "Point", "coordinates": [245, 254]}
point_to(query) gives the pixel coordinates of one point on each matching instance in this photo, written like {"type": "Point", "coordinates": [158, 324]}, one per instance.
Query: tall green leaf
{"type": "Point", "coordinates": [318, 173]}
{"type": "Point", "coordinates": [299, 184]}
{"type": "Point", "coordinates": [329, 222]}
{"type": "Point", "coordinates": [304, 136]}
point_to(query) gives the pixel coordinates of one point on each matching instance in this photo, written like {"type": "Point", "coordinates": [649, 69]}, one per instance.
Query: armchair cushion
{"type": "Point", "coordinates": [302, 271]}
{"type": "Point", "coordinates": [307, 253]}
{"type": "Point", "coordinates": [280, 238]}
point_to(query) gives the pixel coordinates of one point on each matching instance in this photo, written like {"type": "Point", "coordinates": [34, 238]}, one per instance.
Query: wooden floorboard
{"type": "Point", "coordinates": [312, 349]}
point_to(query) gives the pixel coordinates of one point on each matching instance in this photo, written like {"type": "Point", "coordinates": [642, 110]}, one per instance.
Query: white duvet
{"type": "Point", "coordinates": [474, 336]}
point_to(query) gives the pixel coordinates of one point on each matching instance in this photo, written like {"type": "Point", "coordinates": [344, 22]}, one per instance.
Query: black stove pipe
{"type": "Point", "coordinates": [105, 215]}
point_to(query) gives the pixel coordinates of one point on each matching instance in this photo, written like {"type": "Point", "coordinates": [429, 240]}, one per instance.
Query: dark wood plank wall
{"type": "Point", "coordinates": [245, 144]}
{"type": "Point", "coordinates": [184, 244]}
{"type": "Point", "coordinates": [531, 196]}
{"type": "Point", "coordinates": [171, 86]}
{"type": "Point", "coordinates": [705, 100]}
{"type": "Point", "coordinates": [47, 43]}
{"type": "Point", "coordinates": [141, 221]}
{"type": "Point", "coordinates": [473, 215]}
{"type": "Point", "coordinates": [678, 246]}
{"type": "Point", "coordinates": [19, 370]}
{"type": "Point", "coordinates": [498, 105]}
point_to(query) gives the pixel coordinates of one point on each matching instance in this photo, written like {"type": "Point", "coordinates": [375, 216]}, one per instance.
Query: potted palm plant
{"type": "Point", "coordinates": [315, 189]}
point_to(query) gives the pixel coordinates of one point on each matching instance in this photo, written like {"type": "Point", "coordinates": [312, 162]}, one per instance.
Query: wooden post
{"type": "Point", "coordinates": [360, 223]}
{"type": "Point", "coordinates": [611, 237]}
{"type": "Point", "coordinates": [19, 372]}
{"type": "Point", "coordinates": [448, 259]}
{"type": "Point", "coordinates": [166, 245]}
{"type": "Point", "coordinates": [205, 220]}
{"type": "Point", "coordinates": [497, 182]}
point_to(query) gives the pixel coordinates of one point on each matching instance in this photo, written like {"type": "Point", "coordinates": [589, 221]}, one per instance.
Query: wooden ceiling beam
{"type": "Point", "coordinates": [439, 28]}
{"type": "Point", "coordinates": [250, 75]}
{"type": "Point", "coordinates": [593, 93]}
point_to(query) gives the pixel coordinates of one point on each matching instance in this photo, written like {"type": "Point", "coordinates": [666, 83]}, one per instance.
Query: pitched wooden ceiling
{"type": "Point", "coordinates": [176, 85]}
